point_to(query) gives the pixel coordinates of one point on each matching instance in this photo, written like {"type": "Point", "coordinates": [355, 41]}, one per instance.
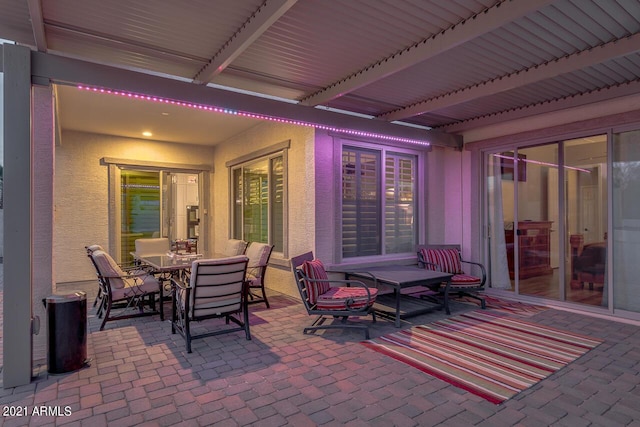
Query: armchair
{"type": "Point", "coordinates": [258, 254]}
{"type": "Point", "coordinates": [588, 262]}
{"type": "Point", "coordinates": [235, 247]}
{"type": "Point", "coordinates": [99, 297]}
{"type": "Point", "coordinates": [152, 246]}
{"type": "Point", "coordinates": [216, 289]}
{"type": "Point", "coordinates": [448, 258]}
{"type": "Point", "coordinates": [322, 299]}
{"type": "Point", "coordinates": [125, 291]}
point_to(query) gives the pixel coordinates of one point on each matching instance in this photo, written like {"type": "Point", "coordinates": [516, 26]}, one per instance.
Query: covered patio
{"type": "Point", "coordinates": [420, 112]}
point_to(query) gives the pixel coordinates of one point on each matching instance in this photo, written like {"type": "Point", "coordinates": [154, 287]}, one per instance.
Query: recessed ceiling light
{"type": "Point", "coordinates": [147, 133]}
{"type": "Point", "coordinates": [164, 113]}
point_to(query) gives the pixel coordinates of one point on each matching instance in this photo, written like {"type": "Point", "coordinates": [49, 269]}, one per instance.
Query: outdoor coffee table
{"type": "Point", "coordinates": [398, 278]}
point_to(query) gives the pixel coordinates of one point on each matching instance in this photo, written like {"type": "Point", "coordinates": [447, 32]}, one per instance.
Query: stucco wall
{"type": "Point", "coordinates": [326, 189]}
{"type": "Point", "coordinates": [300, 191]}
{"type": "Point", "coordinates": [446, 202]}
{"type": "Point", "coordinates": [81, 192]}
{"type": "Point", "coordinates": [81, 216]}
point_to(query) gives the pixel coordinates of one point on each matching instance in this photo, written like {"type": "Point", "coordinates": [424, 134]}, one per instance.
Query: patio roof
{"type": "Point", "coordinates": [452, 66]}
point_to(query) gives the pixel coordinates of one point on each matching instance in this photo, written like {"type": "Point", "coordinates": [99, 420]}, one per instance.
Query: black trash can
{"type": "Point", "coordinates": [66, 331]}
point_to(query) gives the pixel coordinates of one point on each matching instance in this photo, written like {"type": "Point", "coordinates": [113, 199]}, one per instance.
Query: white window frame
{"type": "Point", "coordinates": [268, 154]}
{"type": "Point", "coordinates": [420, 198]}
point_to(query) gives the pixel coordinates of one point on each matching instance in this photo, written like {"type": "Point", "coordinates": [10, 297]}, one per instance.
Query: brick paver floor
{"type": "Point", "coordinates": [140, 374]}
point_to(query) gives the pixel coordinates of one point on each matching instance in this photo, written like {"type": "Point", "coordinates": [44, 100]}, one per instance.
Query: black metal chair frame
{"type": "Point", "coordinates": [259, 272]}
{"type": "Point", "coordinates": [470, 290]}
{"type": "Point", "coordinates": [302, 281]}
{"type": "Point", "coordinates": [182, 316]}
{"type": "Point", "coordinates": [125, 305]}
{"type": "Point", "coordinates": [99, 295]}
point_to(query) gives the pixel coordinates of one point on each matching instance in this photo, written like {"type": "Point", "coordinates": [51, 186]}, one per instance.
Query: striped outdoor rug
{"type": "Point", "coordinates": [505, 305]}
{"type": "Point", "coordinates": [493, 303]}
{"type": "Point", "coordinates": [488, 354]}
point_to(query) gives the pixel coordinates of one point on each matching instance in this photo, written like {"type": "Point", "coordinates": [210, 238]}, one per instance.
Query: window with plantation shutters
{"type": "Point", "coordinates": [399, 214]}
{"type": "Point", "coordinates": [258, 201]}
{"type": "Point", "coordinates": [361, 214]}
{"type": "Point", "coordinates": [276, 196]}
{"type": "Point", "coordinates": [378, 202]}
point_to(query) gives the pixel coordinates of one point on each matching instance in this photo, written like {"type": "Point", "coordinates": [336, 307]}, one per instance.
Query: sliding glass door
{"type": "Point", "coordinates": [157, 203]}
{"type": "Point", "coordinates": [140, 208]}
{"type": "Point", "coordinates": [626, 221]}
{"type": "Point", "coordinates": [546, 216]}
{"type": "Point", "coordinates": [586, 195]}
{"type": "Point", "coordinates": [536, 237]}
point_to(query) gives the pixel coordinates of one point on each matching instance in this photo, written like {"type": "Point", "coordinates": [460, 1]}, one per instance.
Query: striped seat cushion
{"type": "Point", "coordinates": [447, 259]}
{"type": "Point", "coordinates": [462, 280]}
{"type": "Point", "coordinates": [337, 298]}
{"type": "Point", "coordinates": [315, 270]}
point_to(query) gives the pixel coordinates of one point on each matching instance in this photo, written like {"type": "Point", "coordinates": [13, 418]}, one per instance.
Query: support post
{"type": "Point", "coordinates": [17, 357]}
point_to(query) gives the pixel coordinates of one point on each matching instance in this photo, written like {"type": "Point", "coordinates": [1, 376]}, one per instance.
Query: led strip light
{"type": "Point", "coordinates": [252, 115]}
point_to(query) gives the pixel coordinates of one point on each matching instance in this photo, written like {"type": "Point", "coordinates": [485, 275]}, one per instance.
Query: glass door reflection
{"type": "Point", "coordinates": [534, 260]}
{"type": "Point", "coordinates": [585, 180]}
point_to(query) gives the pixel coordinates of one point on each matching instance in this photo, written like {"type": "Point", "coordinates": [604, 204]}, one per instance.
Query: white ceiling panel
{"type": "Point", "coordinates": [430, 62]}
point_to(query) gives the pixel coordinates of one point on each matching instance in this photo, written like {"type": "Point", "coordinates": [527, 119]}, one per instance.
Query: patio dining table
{"type": "Point", "coordinates": [402, 277]}
{"type": "Point", "coordinates": [170, 264]}
{"type": "Point", "coordinates": [167, 267]}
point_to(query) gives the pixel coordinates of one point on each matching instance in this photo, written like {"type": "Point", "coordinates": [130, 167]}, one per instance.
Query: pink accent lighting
{"type": "Point", "coordinates": [253, 115]}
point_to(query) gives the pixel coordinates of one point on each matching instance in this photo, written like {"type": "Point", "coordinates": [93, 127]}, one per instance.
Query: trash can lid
{"type": "Point", "coordinates": [67, 297]}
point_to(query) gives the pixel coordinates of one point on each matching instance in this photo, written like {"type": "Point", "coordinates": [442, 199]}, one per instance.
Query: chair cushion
{"type": "Point", "coordinates": [315, 270]}
{"type": "Point", "coordinates": [336, 298]}
{"type": "Point", "coordinates": [152, 247]}
{"type": "Point", "coordinates": [462, 280]}
{"type": "Point", "coordinates": [93, 248]}
{"type": "Point", "coordinates": [258, 254]}
{"type": "Point", "coordinates": [136, 287]}
{"type": "Point", "coordinates": [109, 268]}
{"type": "Point", "coordinates": [217, 285]}
{"type": "Point", "coordinates": [447, 259]}
{"type": "Point", "coordinates": [253, 280]}
{"type": "Point", "coordinates": [235, 247]}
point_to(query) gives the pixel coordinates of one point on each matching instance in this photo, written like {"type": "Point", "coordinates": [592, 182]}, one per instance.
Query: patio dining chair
{"type": "Point", "coordinates": [258, 254]}
{"type": "Point", "coordinates": [235, 247]}
{"type": "Point", "coordinates": [337, 298]}
{"type": "Point", "coordinates": [217, 289]}
{"type": "Point", "coordinates": [127, 293]}
{"type": "Point", "coordinates": [154, 246]}
{"type": "Point", "coordinates": [99, 296]}
{"type": "Point", "coordinates": [448, 259]}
